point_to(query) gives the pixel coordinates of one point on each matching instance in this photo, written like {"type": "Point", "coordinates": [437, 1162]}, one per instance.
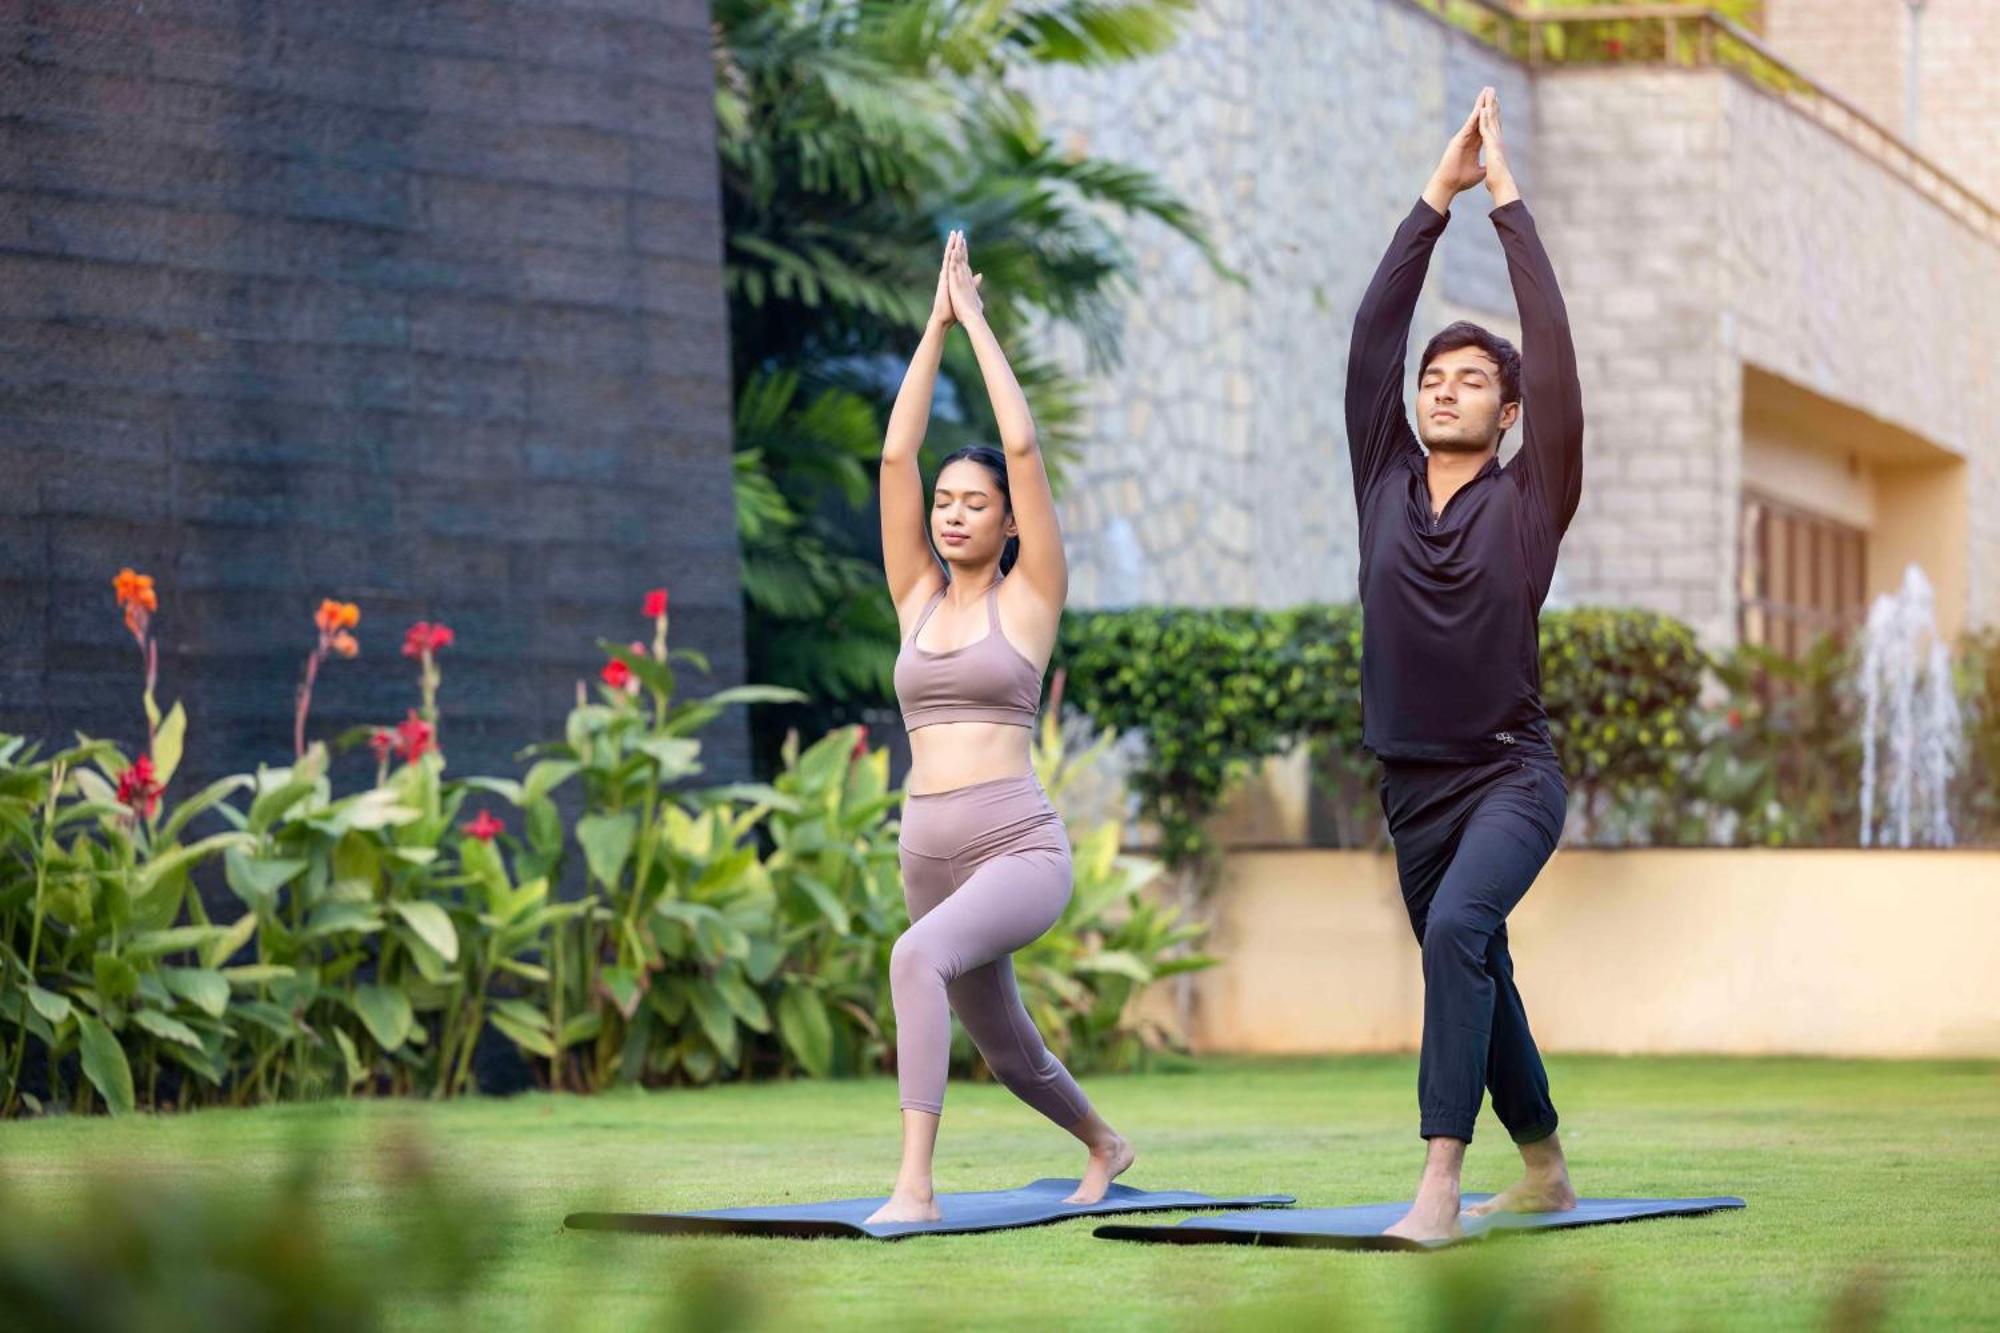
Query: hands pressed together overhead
{"type": "Point", "coordinates": [1461, 168]}
{"type": "Point", "coordinates": [957, 300]}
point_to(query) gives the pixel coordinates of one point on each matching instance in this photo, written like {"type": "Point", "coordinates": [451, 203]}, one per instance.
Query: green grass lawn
{"type": "Point", "coordinates": [1871, 1188]}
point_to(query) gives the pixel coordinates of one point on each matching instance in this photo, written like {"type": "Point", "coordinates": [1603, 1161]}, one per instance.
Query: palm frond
{"type": "Point", "coordinates": [1098, 32]}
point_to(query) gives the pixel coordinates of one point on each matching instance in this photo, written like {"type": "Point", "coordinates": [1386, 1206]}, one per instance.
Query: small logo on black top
{"type": "Point", "coordinates": [1504, 737]}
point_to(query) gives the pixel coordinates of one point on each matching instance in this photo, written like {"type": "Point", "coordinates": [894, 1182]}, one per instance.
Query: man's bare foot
{"type": "Point", "coordinates": [1108, 1161]}
{"type": "Point", "coordinates": [906, 1208]}
{"type": "Point", "coordinates": [1543, 1187]}
{"type": "Point", "coordinates": [1531, 1194]}
{"type": "Point", "coordinates": [1434, 1216]}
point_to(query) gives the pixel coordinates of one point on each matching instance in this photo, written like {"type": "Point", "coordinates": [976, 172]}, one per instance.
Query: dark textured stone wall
{"type": "Point", "coordinates": [416, 305]}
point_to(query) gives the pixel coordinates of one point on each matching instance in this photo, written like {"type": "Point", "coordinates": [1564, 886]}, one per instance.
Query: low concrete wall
{"type": "Point", "coordinates": [1858, 953]}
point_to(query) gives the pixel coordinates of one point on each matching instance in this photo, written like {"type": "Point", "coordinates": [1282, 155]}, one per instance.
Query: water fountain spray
{"type": "Point", "coordinates": [1910, 729]}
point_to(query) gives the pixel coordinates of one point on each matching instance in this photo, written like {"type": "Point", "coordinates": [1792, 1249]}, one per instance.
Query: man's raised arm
{"type": "Point", "coordinates": [1549, 466]}
{"type": "Point", "coordinates": [1378, 428]}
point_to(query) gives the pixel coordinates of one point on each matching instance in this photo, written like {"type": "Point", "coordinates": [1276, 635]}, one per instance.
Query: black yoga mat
{"type": "Point", "coordinates": [1360, 1227]}
{"type": "Point", "coordinates": [991, 1210]}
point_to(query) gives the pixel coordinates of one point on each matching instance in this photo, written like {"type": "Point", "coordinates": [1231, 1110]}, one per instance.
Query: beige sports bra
{"type": "Point", "coordinates": [984, 681]}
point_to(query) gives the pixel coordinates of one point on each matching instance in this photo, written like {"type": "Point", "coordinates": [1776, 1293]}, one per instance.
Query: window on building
{"type": "Point", "coordinates": [1799, 575]}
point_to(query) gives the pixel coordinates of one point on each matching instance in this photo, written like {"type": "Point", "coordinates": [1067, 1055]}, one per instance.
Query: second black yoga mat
{"type": "Point", "coordinates": [990, 1210]}
{"type": "Point", "coordinates": [1360, 1227]}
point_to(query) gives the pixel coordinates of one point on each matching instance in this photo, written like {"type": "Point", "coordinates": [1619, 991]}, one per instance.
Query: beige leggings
{"type": "Point", "coordinates": [986, 870]}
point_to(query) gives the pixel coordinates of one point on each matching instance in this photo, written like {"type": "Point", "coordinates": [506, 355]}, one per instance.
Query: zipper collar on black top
{"type": "Point", "coordinates": [1420, 464]}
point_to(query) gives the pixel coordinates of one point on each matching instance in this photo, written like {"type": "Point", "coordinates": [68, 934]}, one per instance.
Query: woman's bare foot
{"type": "Point", "coordinates": [902, 1207]}
{"type": "Point", "coordinates": [1108, 1161]}
{"type": "Point", "coordinates": [913, 1199]}
{"type": "Point", "coordinates": [1531, 1194]}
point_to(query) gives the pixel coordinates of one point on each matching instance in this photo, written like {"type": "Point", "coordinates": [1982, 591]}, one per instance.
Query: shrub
{"type": "Point", "coordinates": [1621, 689]}
{"type": "Point", "coordinates": [727, 930]}
{"type": "Point", "coordinates": [1205, 686]}
{"type": "Point", "coordinates": [1082, 979]}
{"type": "Point", "coordinates": [1215, 691]}
{"type": "Point", "coordinates": [1978, 673]}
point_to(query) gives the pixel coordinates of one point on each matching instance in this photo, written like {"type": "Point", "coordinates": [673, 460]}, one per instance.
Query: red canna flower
{"type": "Point", "coordinates": [860, 740]}
{"type": "Point", "coordinates": [424, 637]}
{"type": "Point", "coordinates": [483, 828]}
{"type": "Point", "coordinates": [136, 788]}
{"type": "Point", "coordinates": [414, 738]}
{"type": "Point", "coordinates": [383, 742]}
{"type": "Point", "coordinates": [656, 602]}
{"type": "Point", "coordinates": [616, 674]}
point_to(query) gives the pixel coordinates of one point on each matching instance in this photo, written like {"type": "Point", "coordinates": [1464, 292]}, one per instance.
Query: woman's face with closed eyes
{"type": "Point", "coordinates": [970, 520]}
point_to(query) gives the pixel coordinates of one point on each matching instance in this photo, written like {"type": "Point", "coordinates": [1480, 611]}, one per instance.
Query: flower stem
{"type": "Point", "coordinates": [305, 704]}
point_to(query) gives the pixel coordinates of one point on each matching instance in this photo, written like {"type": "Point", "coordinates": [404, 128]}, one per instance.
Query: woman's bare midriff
{"type": "Point", "coordinates": [945, 755]}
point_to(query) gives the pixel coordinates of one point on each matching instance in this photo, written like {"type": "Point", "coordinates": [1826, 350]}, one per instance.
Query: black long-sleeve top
{"type": "Point", "coordinates": [1450, 660]}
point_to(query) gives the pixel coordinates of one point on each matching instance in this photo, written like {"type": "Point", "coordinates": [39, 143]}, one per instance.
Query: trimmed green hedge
{"type": "Point", "coordinates": [1217, 690]}
{"type": "Point", "coordinates": [1208, 688]}
{"type": "Point", "coordinates": [1621, 689]}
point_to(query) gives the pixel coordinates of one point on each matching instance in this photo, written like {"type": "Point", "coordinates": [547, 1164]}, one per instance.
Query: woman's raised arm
{"type": "Point", "coordinates": [1041, 561]}
{"type": "Point", "coordinates": [907, 558]}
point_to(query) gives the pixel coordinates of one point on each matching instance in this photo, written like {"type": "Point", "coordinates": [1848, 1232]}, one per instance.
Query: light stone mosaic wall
{"type": "Point", "coordinates": [1633, 215]}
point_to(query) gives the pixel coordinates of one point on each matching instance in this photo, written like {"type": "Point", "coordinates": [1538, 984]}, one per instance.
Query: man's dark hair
{"type": "Point", "coordinates": [1464, 333]}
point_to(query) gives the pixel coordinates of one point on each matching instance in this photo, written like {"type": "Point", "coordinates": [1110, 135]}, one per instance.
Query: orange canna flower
{"type": "Point", "coordinates": [345, 643]}
{"type": "Point", "coordinates": [334, 615]}
{"type": "Point", "coordinates": [136, 599]}
{"type": "Point", "coordinates": [135, 589]}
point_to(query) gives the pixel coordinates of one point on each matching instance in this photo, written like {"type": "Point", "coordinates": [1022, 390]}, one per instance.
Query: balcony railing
{"type": "Point", "coordinates": [1690, 37]}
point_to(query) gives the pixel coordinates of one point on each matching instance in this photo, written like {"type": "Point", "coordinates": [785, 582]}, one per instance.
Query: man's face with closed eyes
{"type": "Point", "coordinates": [1458, 402]}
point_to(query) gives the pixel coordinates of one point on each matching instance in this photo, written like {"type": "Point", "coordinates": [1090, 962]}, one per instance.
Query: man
{"type": "Point", "coordinates": [1457, 554]}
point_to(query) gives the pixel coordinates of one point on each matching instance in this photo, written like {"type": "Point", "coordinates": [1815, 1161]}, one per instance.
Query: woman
{"type": "Point", "coordinates": [986, 863]}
